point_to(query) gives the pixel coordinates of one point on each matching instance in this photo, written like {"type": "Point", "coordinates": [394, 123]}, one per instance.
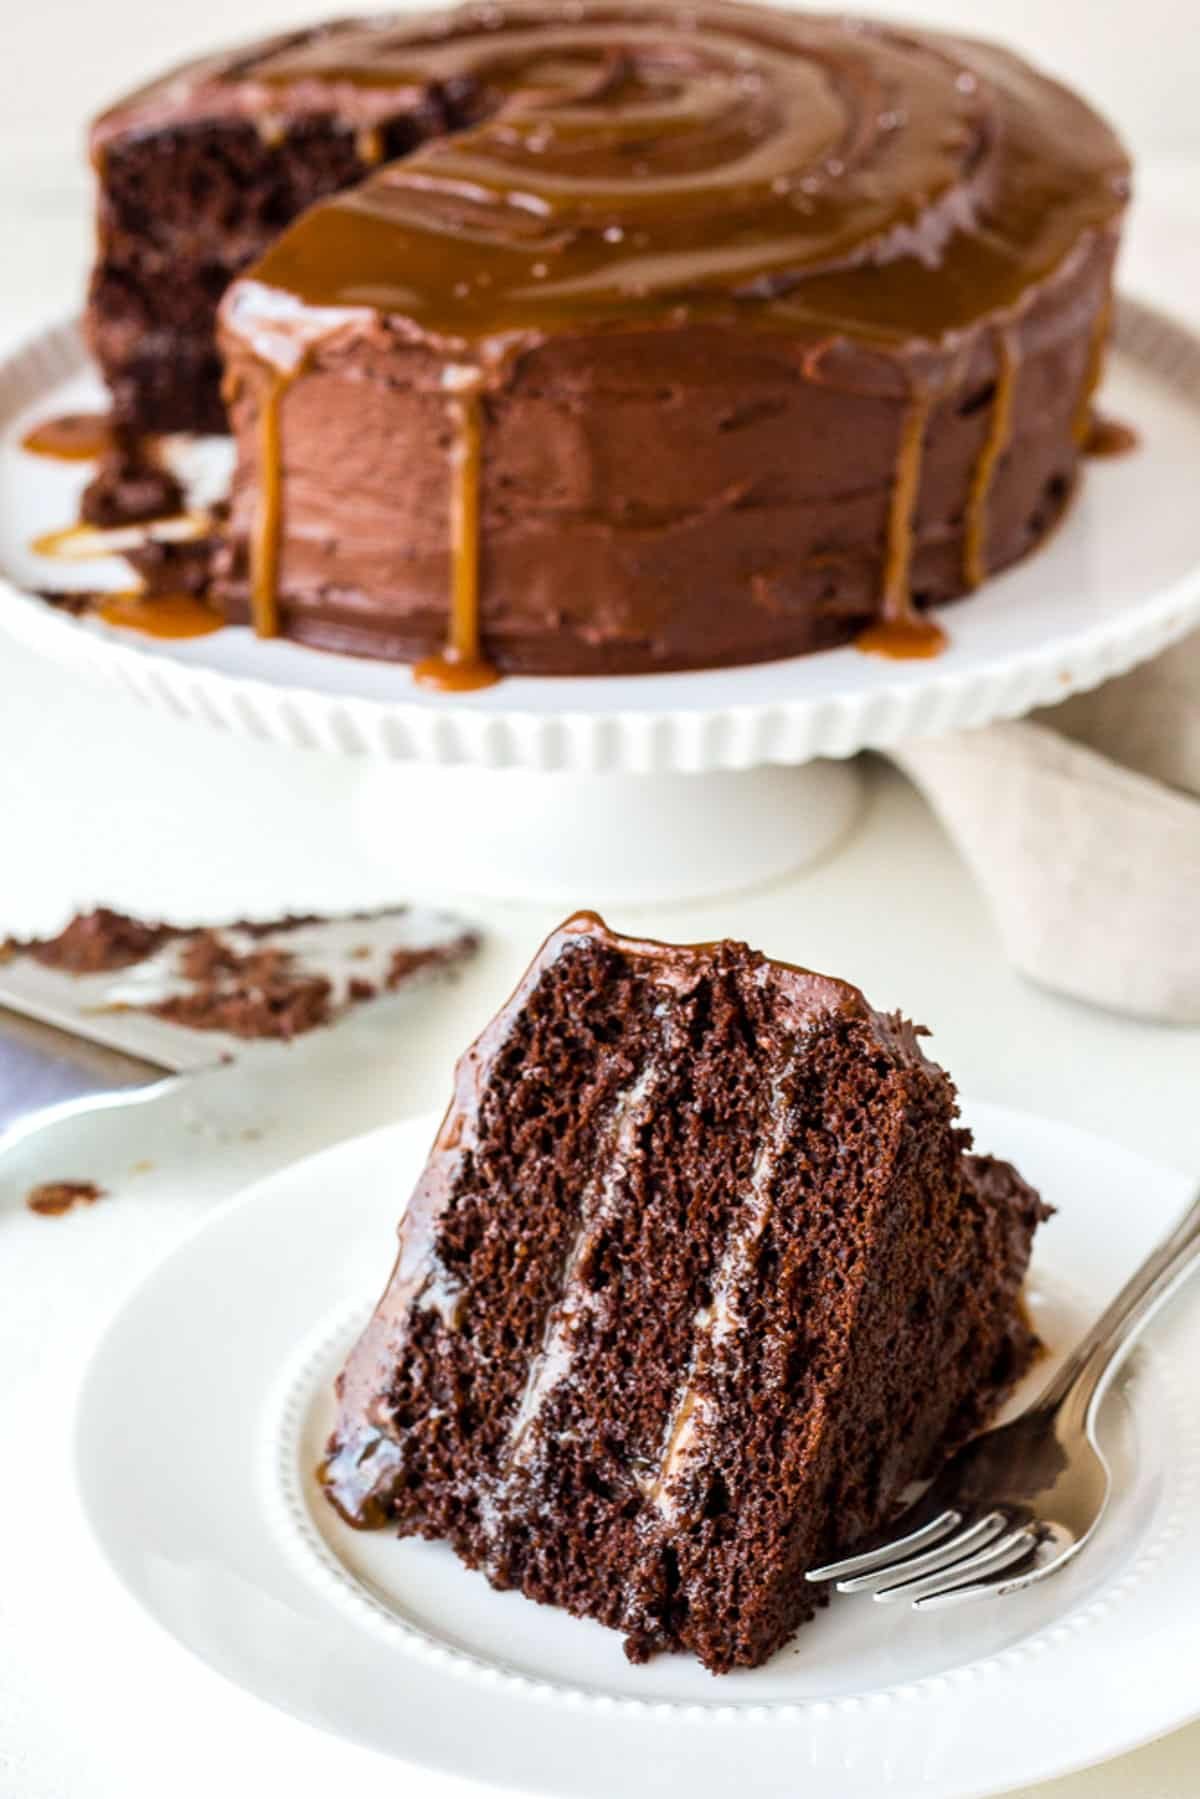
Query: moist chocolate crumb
{"type": "Point", "coordinates": [76, 601]}
{"type": "Point", "coordinates": [173, 567]}
{"type": "Point", "coordinates": [260, 994]}
{"type": "Point", "coordinates": [265, 992]}
{"type": "Point", "coordinates": [186, 567]}
{"type": "Point", "coordinates": [406, 962]}
{"type": "Point", "coordinates": [96, 942]}
{"type": "Point", "coordinates": [162, 566]}
{"type": "Point", "coordinates": [130, 486]}
{"type": "Point", "coordinates": [52, 1198]}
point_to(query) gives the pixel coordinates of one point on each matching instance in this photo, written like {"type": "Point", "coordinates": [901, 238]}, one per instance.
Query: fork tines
{"type": "Point", "coordinates": [950, 1558]}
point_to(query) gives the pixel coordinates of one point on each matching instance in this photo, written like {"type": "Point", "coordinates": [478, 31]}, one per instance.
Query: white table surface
{"type": "Point", "coordinates": [98, 800]}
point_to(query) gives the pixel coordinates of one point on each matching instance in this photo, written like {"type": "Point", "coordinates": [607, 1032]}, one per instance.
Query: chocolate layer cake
{"type": "Point", "coordinates": [699, 1276]}
{"type": "Point", "coordinates": [682, 337]}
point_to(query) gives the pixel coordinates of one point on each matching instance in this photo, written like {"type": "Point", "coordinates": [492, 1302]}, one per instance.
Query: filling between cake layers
{"type": "Point", "coordinates": [686, 1305]}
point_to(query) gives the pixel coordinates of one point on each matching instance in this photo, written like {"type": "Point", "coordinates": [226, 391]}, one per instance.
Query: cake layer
{"type": "Point", "coordinates": [698, 1278]}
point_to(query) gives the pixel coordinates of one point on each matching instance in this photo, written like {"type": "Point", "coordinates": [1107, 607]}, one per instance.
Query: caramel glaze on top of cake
{"type": "Point", "coordinates": [870, 193]}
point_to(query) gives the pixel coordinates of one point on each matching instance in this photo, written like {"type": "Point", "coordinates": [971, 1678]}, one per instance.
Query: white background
{"type": "Point", "coordinates": [97, 800]}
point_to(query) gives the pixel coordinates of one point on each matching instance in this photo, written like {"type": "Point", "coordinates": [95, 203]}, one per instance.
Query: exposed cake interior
{"type": "Point", "coordinates": [187, 198]}
{"type": "Point", "coordinates": [697, 1279]}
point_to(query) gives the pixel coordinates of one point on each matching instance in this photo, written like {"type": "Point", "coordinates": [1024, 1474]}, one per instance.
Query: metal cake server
{"type": "Point", "coordinates": [80, 1047]}
{"type": "Point", "coordinates": [51, 1075]}
{"type": "Point", "coordinates": [1021, 1501]}
{"type": "Point", "coordinates": [62, 1058]}
{"type": "Point", "coordinates": [43, 1068]}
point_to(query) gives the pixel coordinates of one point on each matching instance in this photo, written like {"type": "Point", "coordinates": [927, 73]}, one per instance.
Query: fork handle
{"type": "Point", "coordinates": [1087, 1370]}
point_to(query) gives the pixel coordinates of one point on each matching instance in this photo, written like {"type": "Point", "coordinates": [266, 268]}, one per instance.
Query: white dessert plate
{"type": "Point", "coordinates": [1117, 583]}
{"type": "Point", "coordinates": [205, 1406]}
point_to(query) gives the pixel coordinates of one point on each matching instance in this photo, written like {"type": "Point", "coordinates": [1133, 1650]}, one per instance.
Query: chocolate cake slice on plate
{"type": "Point", "coordinates": [699, 1276]}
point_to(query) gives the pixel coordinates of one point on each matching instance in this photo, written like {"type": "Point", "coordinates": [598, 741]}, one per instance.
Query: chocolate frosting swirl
{"type": "Point", "coordinates": [627, 165]}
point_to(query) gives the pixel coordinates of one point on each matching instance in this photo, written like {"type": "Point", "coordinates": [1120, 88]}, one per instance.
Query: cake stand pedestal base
{"type": "Point", "coordinates": [597, 840]}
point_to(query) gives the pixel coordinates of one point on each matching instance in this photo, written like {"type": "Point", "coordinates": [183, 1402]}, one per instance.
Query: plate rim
{"type": "Point", "coordinates": [611, 738]}
{"type": "Point", "coordinates": [1172, 1714]}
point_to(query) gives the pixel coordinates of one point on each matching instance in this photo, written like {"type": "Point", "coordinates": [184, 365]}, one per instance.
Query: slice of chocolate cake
{"type": "Point", "coordinates": [699, 1276]}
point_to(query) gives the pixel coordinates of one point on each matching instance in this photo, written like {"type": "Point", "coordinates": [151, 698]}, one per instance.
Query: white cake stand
{"type": "Point", "coordinates": [586, 789]}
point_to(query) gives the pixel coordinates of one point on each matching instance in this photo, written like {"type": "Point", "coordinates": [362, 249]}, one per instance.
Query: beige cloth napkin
{"type": "Point", "coordinates": [1082, 826]}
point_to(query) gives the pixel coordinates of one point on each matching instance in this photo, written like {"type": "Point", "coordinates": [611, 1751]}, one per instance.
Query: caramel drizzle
{"type": "Point", "coordinates": [727, 154]}
{"type": "Point", "coordinates": [897, 603]}
{"type": "Point", "coordinates": [85, 543]}
{"type": "Point", "coordinates": [268, 523]}
{"type": "Point", "coordinates": [1109, 437]}
{"type": "Point", "coordinates": [462, 667]}
{"type": "Point", "coordinates": [164, 615]}
{"type": "Point", "coordinates": [1000, 428]}
{"type": "Point", "coordinates": [901, 633]}
{"type": "Point", "coordinates": [369, 145]}
{"type": "Point", "coordinates": [72, 437]}
{"type": "Point", "coordinates": [71, 543]}
{"type": "Point", "coordinates": [1094, 373]}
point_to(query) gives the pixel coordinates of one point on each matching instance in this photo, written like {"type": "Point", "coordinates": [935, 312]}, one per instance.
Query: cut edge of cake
{"type": "Point", "coordinates": [699, 1276]}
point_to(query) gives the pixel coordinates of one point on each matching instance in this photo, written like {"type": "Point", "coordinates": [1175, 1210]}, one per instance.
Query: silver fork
{"type": "Point", "coordinates": [1018, 1503]}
